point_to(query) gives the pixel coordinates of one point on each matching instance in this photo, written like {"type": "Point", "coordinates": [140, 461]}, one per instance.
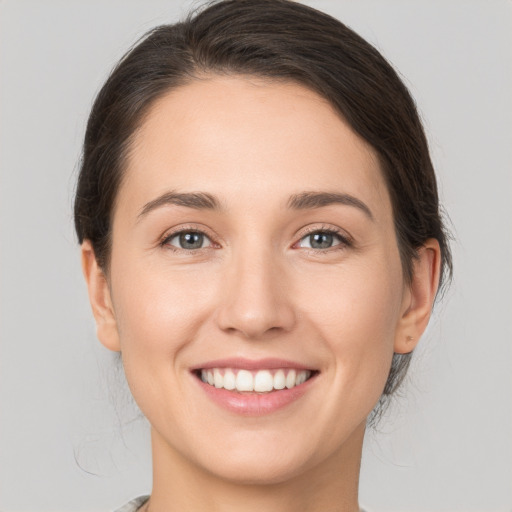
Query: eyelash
{"type": "Point", "coordinates": [165, 242]}
{"type": "Point", "coordinates": [344, 240]}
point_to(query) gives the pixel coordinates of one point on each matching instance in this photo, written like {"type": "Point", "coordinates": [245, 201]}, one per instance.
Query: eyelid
{"type": "Point", "coordinates": [173, 232]}
{"type": "Point", "coordinates": [345, 239]}
{"type": "Point", "coordinates": [325, 228]}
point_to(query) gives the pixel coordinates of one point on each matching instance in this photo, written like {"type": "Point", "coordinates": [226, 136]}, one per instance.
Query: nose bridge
{"type": "Point", "coordinates": [255, 299]}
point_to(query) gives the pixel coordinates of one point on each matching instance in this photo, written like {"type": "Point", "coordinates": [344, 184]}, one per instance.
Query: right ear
{"type": "Point", "coordinates": [100, 298]}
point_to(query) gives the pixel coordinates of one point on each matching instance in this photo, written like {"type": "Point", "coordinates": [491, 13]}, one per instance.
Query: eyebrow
{"type": "Point", "coordinates": [308, 200]}
{"type": "Point", "coordinates": [302, 201]}
{"type": "Point", "coordinates": [196, 200]}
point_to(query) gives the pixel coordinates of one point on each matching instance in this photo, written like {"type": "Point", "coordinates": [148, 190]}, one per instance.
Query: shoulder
{"type": "Point", "coordinates": [133, 505]}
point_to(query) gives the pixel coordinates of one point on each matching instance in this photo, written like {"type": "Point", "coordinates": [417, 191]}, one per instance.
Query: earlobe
{"type": "Point", "coordinates": [419, 297]}
{"type": "Point", "coordinates": [100, 299]}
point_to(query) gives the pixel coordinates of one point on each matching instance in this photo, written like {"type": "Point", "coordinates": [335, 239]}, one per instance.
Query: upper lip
{"type": "Point", "coordinates": [270, 363]}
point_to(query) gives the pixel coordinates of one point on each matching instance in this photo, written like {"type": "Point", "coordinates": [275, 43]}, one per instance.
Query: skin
{"type": "Point", "coordinates": [255, 290]}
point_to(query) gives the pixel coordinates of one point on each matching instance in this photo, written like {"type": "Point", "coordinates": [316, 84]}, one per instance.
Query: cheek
{"type": "Point", "coordinates": [158, 317]}
{"type": "Point", "coordinates": [362, 297]}
{"type": "Point", "coordinates": [158, 310]}
{"type": "Point", "coordinates": [356, 311]}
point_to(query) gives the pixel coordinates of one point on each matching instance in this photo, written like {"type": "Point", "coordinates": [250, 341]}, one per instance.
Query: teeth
{"type": "Point", "coordinates": [229, 380]}
{"type": "Point", "coordinates": [262, 381]}
{"type": "Point", "coordinates": [290, 379]}
{"type": "Point", "coordinates": [218, 380]}
{"type": "Point", "coordinates": [301, 377]}
{"type": "Point", "coordinates": [244, 381]}
{"type": "Point", "coordinates": [279, 380]}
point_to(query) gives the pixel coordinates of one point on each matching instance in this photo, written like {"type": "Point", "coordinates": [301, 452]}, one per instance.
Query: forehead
{"type": "Point", "coordinates": [248, 138]}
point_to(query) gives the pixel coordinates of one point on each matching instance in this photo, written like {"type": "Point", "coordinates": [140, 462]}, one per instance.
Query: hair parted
{"type": "Point", "coordinates": [278, 40]}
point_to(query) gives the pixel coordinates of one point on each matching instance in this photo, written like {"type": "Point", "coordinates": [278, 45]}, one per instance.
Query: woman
{"type": "Point", "coordinates": [262, 243]}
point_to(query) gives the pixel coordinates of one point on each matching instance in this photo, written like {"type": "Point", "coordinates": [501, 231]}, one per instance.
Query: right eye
{"type": "Point", "coordinates": [188, 240]}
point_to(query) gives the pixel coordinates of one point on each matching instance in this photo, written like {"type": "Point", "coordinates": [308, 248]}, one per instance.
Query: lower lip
{"type": "Point", "coordinates": [255, 404]}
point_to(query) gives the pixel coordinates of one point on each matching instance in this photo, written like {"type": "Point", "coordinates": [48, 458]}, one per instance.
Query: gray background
{"type": "Point", "coordinates": [67, 444]}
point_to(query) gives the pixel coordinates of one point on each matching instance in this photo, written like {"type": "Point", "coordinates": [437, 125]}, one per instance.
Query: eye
{"type": "Point", "coordinates": [188, 240]}
{"type": "Point", "coordinates": [322, 240]}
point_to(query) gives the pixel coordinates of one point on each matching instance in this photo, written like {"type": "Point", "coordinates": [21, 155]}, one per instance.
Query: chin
{"type": "Point", "coordinates": [259, 458]}
{"type": "Point", "coordinates": [258, 470]}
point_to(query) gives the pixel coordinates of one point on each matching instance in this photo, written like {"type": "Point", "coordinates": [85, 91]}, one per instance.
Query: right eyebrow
{"type": "Point", "coordinates": [196, 200]}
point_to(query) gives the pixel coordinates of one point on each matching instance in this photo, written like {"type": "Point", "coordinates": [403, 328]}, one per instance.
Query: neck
{"type": "Point", "coordinates": [331, 486]}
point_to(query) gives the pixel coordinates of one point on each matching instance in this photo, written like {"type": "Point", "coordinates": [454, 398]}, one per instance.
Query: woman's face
{"type": "Point", "coordinates": [253, 237]}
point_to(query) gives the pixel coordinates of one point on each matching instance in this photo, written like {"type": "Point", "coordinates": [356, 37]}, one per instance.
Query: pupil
{"type": "Point", "coordinates": [321, 240]}
{"type": "Point", "coordinates": [191, 240]}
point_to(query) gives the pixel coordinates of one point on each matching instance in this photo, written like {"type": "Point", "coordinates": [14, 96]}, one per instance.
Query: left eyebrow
{"type": "Point", "coordinates": [306, 200]}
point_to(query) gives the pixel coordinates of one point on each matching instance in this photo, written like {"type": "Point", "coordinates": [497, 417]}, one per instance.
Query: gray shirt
{"type": "Point", "coordinates": [133, 505]}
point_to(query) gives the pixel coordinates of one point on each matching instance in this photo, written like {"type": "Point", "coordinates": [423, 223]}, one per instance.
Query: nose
{"type": "Point", "coordinates": [256, 302]}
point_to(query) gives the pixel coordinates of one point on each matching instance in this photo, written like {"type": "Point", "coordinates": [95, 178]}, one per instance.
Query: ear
{"type": "Point", "coordinates": [100, 298]}
{"type": "Point", "coordinates": [419, 297]}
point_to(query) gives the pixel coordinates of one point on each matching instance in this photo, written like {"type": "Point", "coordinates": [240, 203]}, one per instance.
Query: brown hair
{"type": "Point", "coordinates": [279, 40]}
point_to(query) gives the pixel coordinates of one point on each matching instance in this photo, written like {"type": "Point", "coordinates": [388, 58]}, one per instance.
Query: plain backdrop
{"type": "Point", "coordinates": [70, 439]}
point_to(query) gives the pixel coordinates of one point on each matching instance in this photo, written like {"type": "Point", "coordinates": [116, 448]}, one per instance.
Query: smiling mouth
{"type": "Point", "coordinates": [260, 381]}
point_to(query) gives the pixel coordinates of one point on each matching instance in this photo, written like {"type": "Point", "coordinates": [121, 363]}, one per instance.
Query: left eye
{"type": "Point", "coordinates": [188, 240]}
{"type": "Point", "coordinates": [321, 240]}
